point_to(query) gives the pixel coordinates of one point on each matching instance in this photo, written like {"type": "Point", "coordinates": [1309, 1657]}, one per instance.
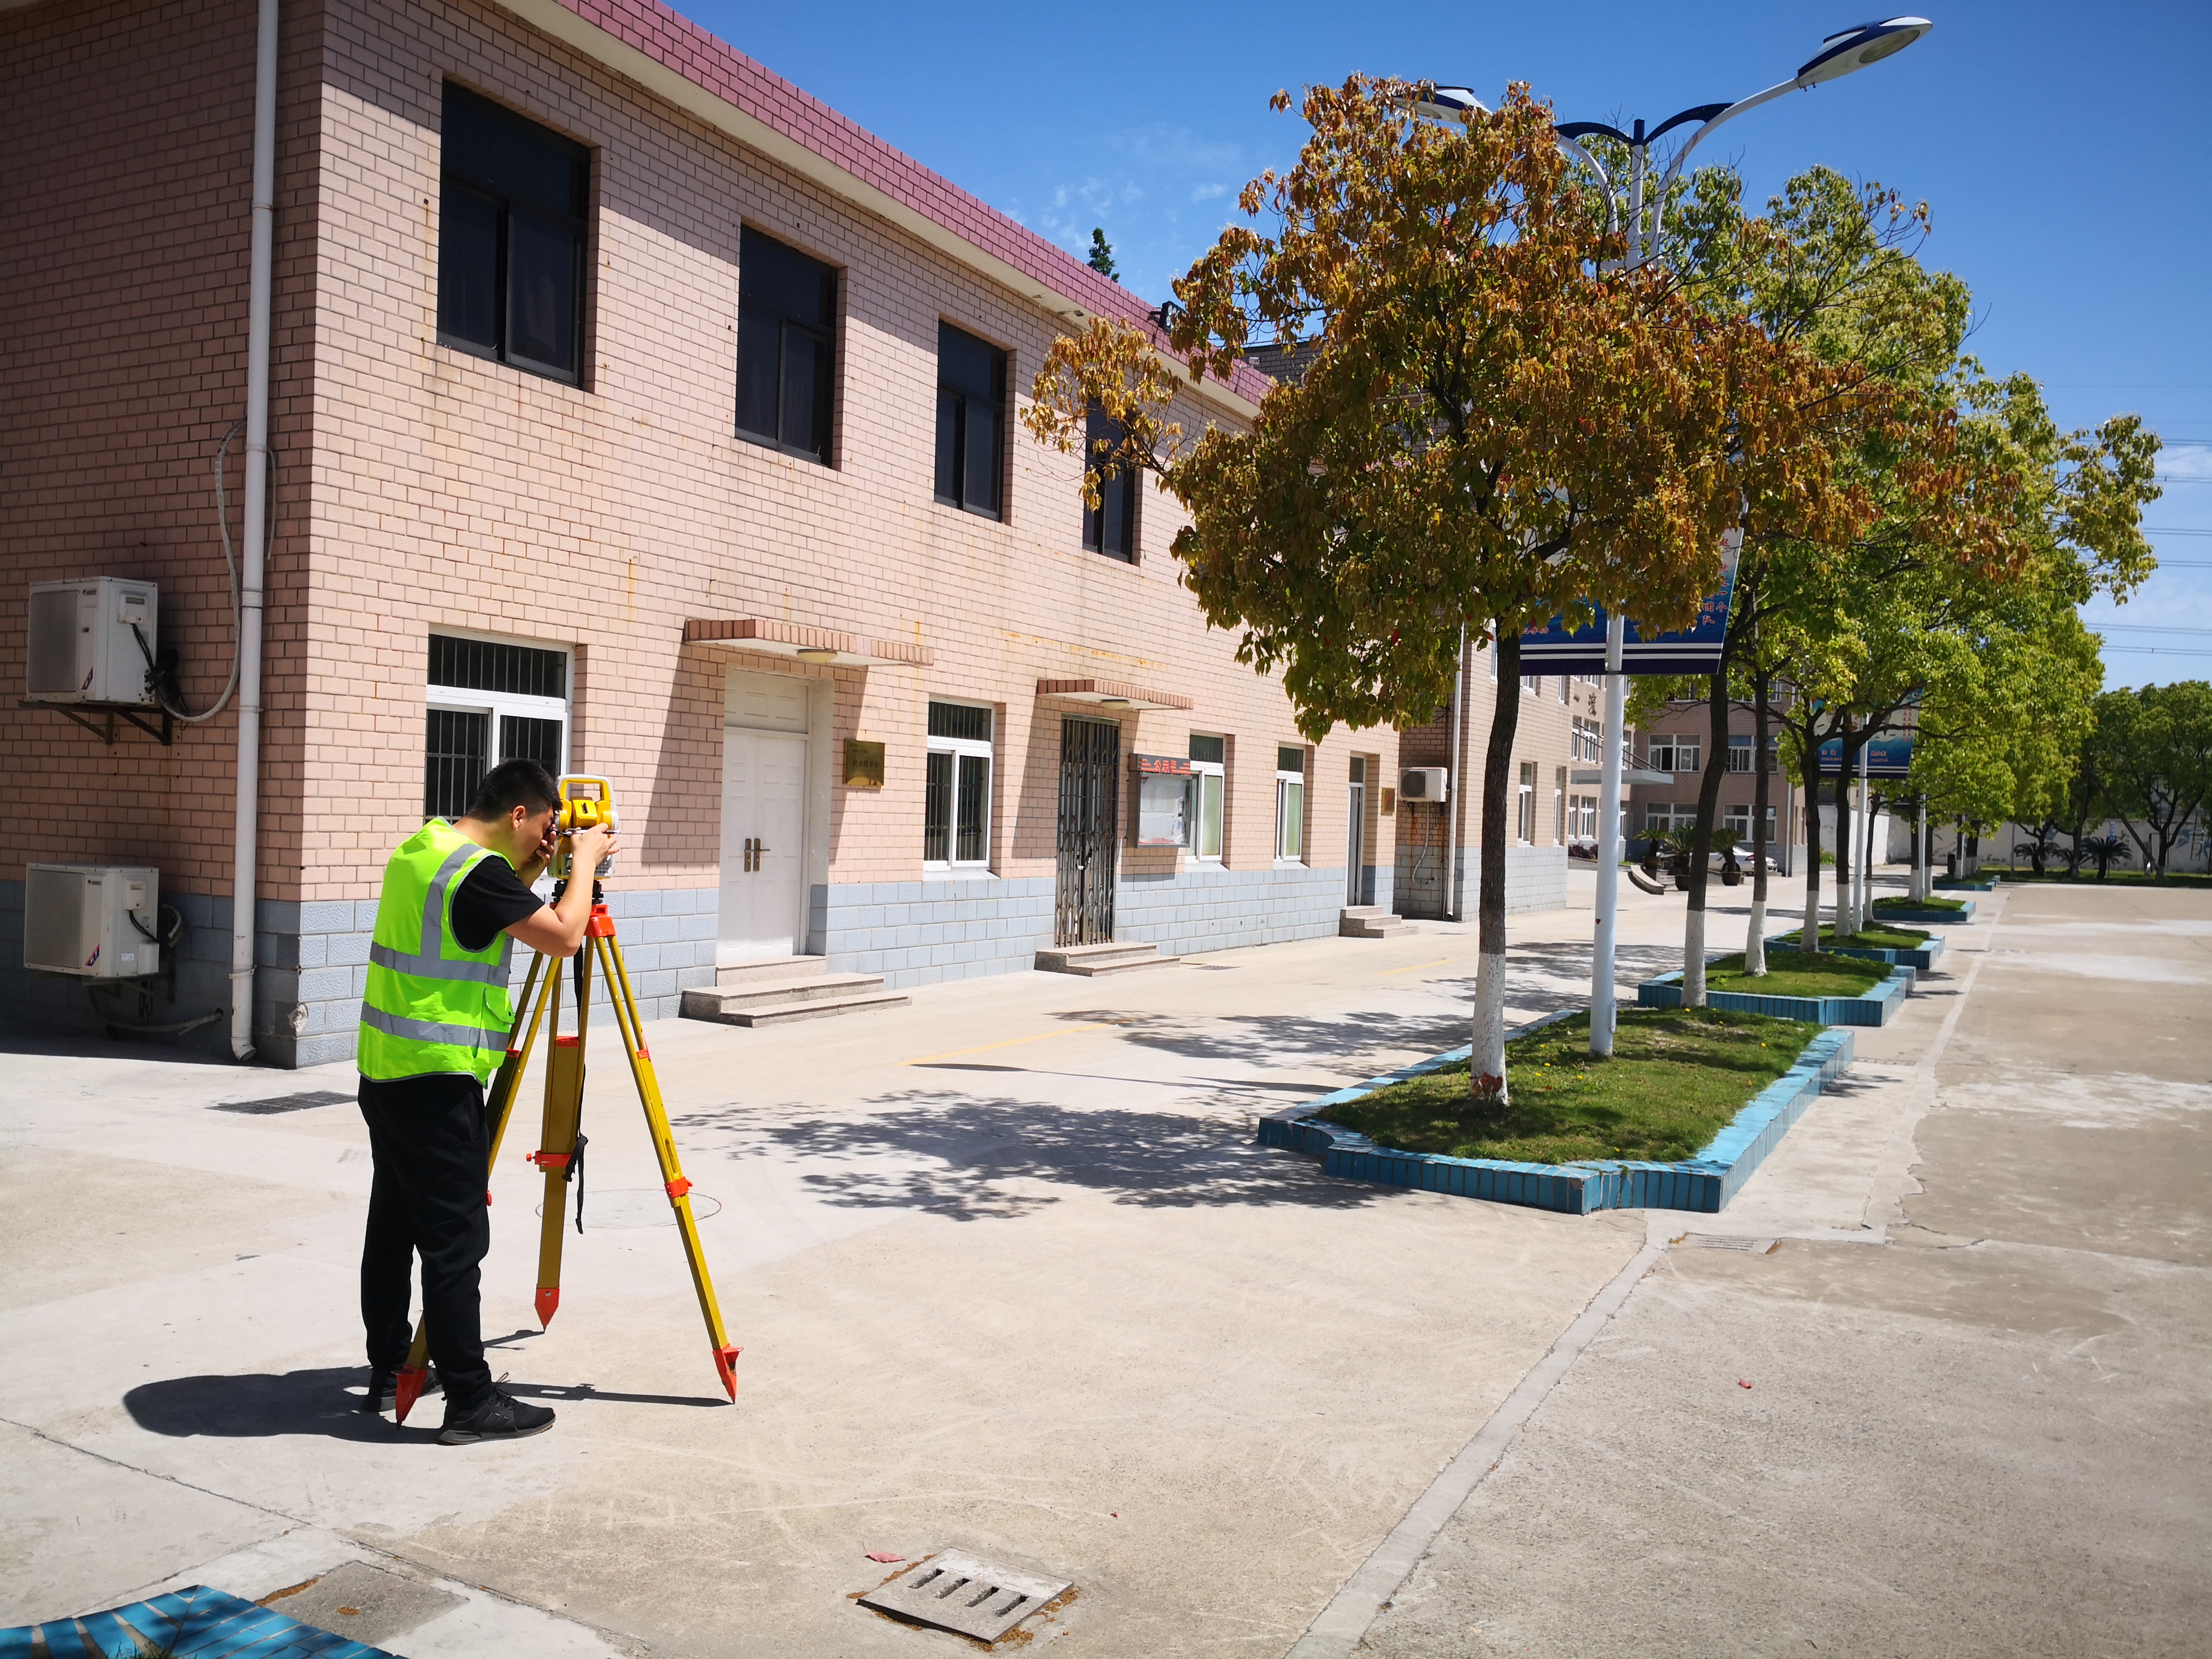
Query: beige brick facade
{"type": "Point", "coordinates": [419, 489]}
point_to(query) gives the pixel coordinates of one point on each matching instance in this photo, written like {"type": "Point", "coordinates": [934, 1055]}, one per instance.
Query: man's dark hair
{"type": "Point", "coordinates": [511, 784]}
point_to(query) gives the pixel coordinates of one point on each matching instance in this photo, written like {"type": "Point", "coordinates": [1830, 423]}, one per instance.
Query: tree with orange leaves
{"type": "Point", "coordinates": [1498, 424]}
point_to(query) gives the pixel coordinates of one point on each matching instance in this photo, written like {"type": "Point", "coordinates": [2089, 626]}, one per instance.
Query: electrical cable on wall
{"type": "Point", "coordinates": [162, 672]}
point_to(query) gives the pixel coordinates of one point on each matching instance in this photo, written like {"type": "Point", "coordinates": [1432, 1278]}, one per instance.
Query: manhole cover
{"type": "Point", "coordinates": [636, 1206]}
{"type": "Point", "coordinates": [955, 1592]}
{"type": "Point", "coordinates": [270, 1103]}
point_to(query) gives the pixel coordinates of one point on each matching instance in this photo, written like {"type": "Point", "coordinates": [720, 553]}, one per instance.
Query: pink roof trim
{"type": "Point", "coordinates": [682, 46]}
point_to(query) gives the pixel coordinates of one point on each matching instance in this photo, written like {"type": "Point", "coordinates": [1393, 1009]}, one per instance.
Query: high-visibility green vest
{"type": "Point", "coordinates": [432, 1006]}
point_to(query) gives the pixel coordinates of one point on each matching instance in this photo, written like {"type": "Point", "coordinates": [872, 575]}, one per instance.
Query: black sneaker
{"type": "Point", "coordinates": [501, 1417]}
{"type": "Point", "coordinates": [383, 1394]}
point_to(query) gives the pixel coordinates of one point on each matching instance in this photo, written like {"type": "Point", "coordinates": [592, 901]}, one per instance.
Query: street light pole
{"type": "Point", "coordinates": [1839, 55]}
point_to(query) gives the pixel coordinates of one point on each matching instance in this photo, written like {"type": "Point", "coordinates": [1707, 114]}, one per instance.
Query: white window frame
{"type": "Point", "coordinates": [460, 700]}
{"type": "Point", "coordinates": [1524, 814]}
{"type": "Point", "coordinates": [1285, 780]}
{"type": "Point", "coordinates": [1532, 685]}
{"type": "Point", "coordinates": [957, 748]}
{"type": "Point", "coordinates": [1667, 754]}
{"type": "Point", "coordinates": [1200, 772]}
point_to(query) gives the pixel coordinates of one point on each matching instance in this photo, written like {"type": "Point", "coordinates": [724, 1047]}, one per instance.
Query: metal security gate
{"type": "Point", "coordinates": [1090, 822]}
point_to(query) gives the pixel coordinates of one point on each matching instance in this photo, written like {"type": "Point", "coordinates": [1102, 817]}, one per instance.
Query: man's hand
{"type": "Point", "coordinates": [587, 848]}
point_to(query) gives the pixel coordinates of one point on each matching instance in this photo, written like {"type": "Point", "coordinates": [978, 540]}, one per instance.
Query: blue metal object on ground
{"type": "Point", "coordinates": [197, 1623]}
{"type": "Point", "coordinates": [1873, 1008]}
{"type": "Point", "coordinates": [1923, 957]}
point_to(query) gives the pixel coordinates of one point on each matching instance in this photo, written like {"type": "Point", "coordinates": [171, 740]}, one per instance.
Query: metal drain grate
{"type": "Point", "coordinates": [272, 1103]}
{"type": "Point", "coordinates": [955, 1592]}
{"type": "Point", "coordinates": [1721, 1242]}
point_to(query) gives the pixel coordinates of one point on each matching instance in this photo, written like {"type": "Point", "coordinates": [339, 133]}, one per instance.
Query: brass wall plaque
{"type": "Point", "coordinates": [864, 764]}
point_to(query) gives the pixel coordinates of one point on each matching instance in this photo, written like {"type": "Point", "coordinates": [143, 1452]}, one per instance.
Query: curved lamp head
{"type": "Point", "coordinates": [1856, 47]}
{"type": "Point", "coordinates": [1449, 104]}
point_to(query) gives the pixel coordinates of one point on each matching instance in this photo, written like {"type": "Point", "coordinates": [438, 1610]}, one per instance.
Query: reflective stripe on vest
{"type": "Point", "coordinates": [432, 1005]}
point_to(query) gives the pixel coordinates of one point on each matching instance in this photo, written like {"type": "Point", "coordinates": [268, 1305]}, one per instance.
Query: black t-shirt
{"type": "Point", "coordinates": [491, 899]}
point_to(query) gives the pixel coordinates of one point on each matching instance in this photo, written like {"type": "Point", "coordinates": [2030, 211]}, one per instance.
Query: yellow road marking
{"type": "Point", "coordinates": [1009, 1042]}
{"type": "Point", "coordinates": [1439, 963]}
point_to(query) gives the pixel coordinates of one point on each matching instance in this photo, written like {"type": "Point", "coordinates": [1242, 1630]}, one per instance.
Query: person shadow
{"type": "Point", "coordinates": [326, 1402]}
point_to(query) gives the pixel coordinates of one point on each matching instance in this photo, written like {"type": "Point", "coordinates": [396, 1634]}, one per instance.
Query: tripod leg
{"type": "Point", "coordinates": [559, 1143]}
{"type": "Point", "coordinates": [663, 1146]}
{"type": "Point", "coordinates": [497, 1109]}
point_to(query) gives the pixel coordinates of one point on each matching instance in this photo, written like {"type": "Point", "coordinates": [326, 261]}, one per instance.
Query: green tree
{"type": "Point", "coordinates": [1101, 252]}
{"type": "Point", "coordinates": [2154, 747]}
{"type": "Point", "coordinates": [1497, 424]}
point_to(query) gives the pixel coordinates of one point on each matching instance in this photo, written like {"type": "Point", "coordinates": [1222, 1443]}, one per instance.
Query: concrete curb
{"type": "Point", "coordinates": [1874, 1008]}
{"type": "Point", "coordinates": [1704, 1183]}
{"type": "Point", "coordinates": [1912, 913]}
{"type": "Point", "coordinates": [1946, 884]}
{"type": "Point", "coordinates": [1923, 958]}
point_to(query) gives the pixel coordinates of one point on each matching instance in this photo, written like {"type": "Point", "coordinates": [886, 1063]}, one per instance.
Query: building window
{"type": "Point", "coordinates": [1525, 816]}
{"type": "Point", "coordinates": [1290, 804]}
{"type": "Point", "coordinates": [1559, 807]}
{"type": "Point", "coordinates": [1566, 688]}
{"type": "Point", "coordinates": [1673, 754]}
{"type": "Point", "coordinates": [971, 403]}
{"type": "Point", "coordinates": [513, 201]}
{"type": "Point", "coordinates": [1533, 684]}
{"type": "Point", "coordinates": [1736, 820]}
{"type": "Point", "coordinates": [489, 702]}
{"type": "Point", "coordinates": [956, 813]}
{"type": "Point", "coordinates": [1589, 740]}
{"type": "Point", "coordinates": [1209, 781]}
{"type": "Point", "coordinates": [1111, 526]}
{"type": "Point", "coordinates": [1738, 754]}
{"type": "Point", "coordinates": [786, 322]}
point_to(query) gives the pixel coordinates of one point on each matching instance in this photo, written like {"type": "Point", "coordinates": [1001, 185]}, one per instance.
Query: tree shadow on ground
{"type": "Point", "coordinates": [951, 1153]}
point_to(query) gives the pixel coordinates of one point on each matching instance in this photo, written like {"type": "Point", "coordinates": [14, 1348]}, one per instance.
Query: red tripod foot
{"type": "Point", "coordinates": [406, 1390]}
{"type": "Point", "coordinates": [726, 1362]}
{"type": "Point", "coordinates": [549, 1303]}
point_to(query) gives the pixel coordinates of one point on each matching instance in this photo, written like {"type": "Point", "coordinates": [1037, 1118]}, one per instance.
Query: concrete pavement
{"type": "Point", "coordinates": [1984, 1436]}
{"type": "Point", "coordinates": [1009, 1275]}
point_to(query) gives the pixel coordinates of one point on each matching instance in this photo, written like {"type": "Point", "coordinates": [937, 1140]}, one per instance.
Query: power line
{"type": "Point", "coordinates": [2142, 628]}
{"type": "Point", "coordinates": [2163, 650]}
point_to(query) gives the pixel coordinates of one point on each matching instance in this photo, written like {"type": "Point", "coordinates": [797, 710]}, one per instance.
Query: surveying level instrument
{"type": "Point", "coordinates": [560, 1154]}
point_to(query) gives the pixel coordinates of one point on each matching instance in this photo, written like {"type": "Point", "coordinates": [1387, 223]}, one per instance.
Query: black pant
{"type": "Point", "coordinates": [433, 1153]}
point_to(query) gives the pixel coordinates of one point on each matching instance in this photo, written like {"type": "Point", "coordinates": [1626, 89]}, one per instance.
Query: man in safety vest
{"type": "Point", "coordinates": [433, 1026]}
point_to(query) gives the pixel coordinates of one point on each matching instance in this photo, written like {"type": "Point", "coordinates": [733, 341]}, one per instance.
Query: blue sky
{"type": "Point", "coordinates": [2059, 148]}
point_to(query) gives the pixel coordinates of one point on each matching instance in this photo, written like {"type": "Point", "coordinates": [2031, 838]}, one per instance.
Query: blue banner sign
{"type": "Point", "coordinates": [1555, 649]}
{"type": "Point", "coordinates": [1889, 755]}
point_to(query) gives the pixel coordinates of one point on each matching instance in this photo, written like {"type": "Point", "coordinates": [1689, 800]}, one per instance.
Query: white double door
{"type": "Point", "coordinates": [763, 900]}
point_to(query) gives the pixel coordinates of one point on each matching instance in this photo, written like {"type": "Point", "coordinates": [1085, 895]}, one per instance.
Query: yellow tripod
{"type": "Point", "coordinates": [560, 1152]}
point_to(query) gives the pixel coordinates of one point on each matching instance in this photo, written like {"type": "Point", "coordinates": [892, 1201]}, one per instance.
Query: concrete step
{"type": "Point", "coordinates": [1374, 928]}
{"type": "Point", "coordinates": [1091, 961]}
{"type": "Point", "coordinates": [807, 995]}
{"type": "Point", "coordinates": [1361, 912]}
{"type": "Point", "coordinates": [770, 970]}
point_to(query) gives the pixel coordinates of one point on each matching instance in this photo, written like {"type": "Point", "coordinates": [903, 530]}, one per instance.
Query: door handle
{"type": "Point", "coordinates": [749, 844]}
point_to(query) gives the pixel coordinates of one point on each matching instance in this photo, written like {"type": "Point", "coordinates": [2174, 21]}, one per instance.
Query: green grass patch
{"type": "Point", "coordinates": [1676, 1078]}
{"type": "Point", "coordinates": [1867, 939]}
{"type": "Point", "coordinates": [2089, 878]}
{"type": "Point", "coordinates": [1797, 974]}
{"type": "Point", "coordinates": [1919, 904]}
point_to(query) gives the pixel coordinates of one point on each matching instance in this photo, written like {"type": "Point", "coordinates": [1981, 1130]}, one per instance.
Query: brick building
{"type": "Point", "coordinates": [632, 410]}
{"type": "Point", "coordinates": [1679, 741]}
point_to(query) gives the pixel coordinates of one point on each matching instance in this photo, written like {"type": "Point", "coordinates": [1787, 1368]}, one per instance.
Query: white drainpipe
{"type": "Point", "coordinates": [247, 835]}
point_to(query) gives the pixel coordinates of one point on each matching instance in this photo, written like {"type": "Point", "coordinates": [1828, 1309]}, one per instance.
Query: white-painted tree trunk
{"type": "Point", "coordinates": [1754, 943]}
{"type": "Point", "coordinates": [1488, 1057]}
{"type": "Point", "coordinates": [1693, 959]}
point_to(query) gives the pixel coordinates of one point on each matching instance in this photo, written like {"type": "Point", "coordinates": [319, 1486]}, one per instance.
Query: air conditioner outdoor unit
{"type": "Point", "coordinates": [95, 922]}
{"type": "Point", "coordinates": [85, 640]}
{"type": "Point", "coordinates": [1423, 783]}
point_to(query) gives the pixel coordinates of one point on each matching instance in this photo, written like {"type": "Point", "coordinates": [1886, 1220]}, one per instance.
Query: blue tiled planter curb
{"type": "Point", "coordinates": [1975, 884]}
{"type": "Point", "coordinates": [1907, 913]}
{"type": "Point", "coordinates": [1704, 1183]}
{"type": "Point", "coordinates": [1923, 958]}
{"type": "Point", "coordinates": [1874, 1008]}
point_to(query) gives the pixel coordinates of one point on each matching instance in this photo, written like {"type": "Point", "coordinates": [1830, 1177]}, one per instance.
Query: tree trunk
{"type": "Point", "coordinates": [1701, 845]}
{"type": "Point", "coordinates": [1754, 942]}
{"type": "Point", "coordinates": [1489, 1037]}
{"type": "Point", "coordinates": [1861, 912]}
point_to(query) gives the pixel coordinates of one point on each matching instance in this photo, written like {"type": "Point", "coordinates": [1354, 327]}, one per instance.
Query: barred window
{"type": "Point", "coordinates": [489, 702]}
{"type": "Point", "coordinates": [956, 813]}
